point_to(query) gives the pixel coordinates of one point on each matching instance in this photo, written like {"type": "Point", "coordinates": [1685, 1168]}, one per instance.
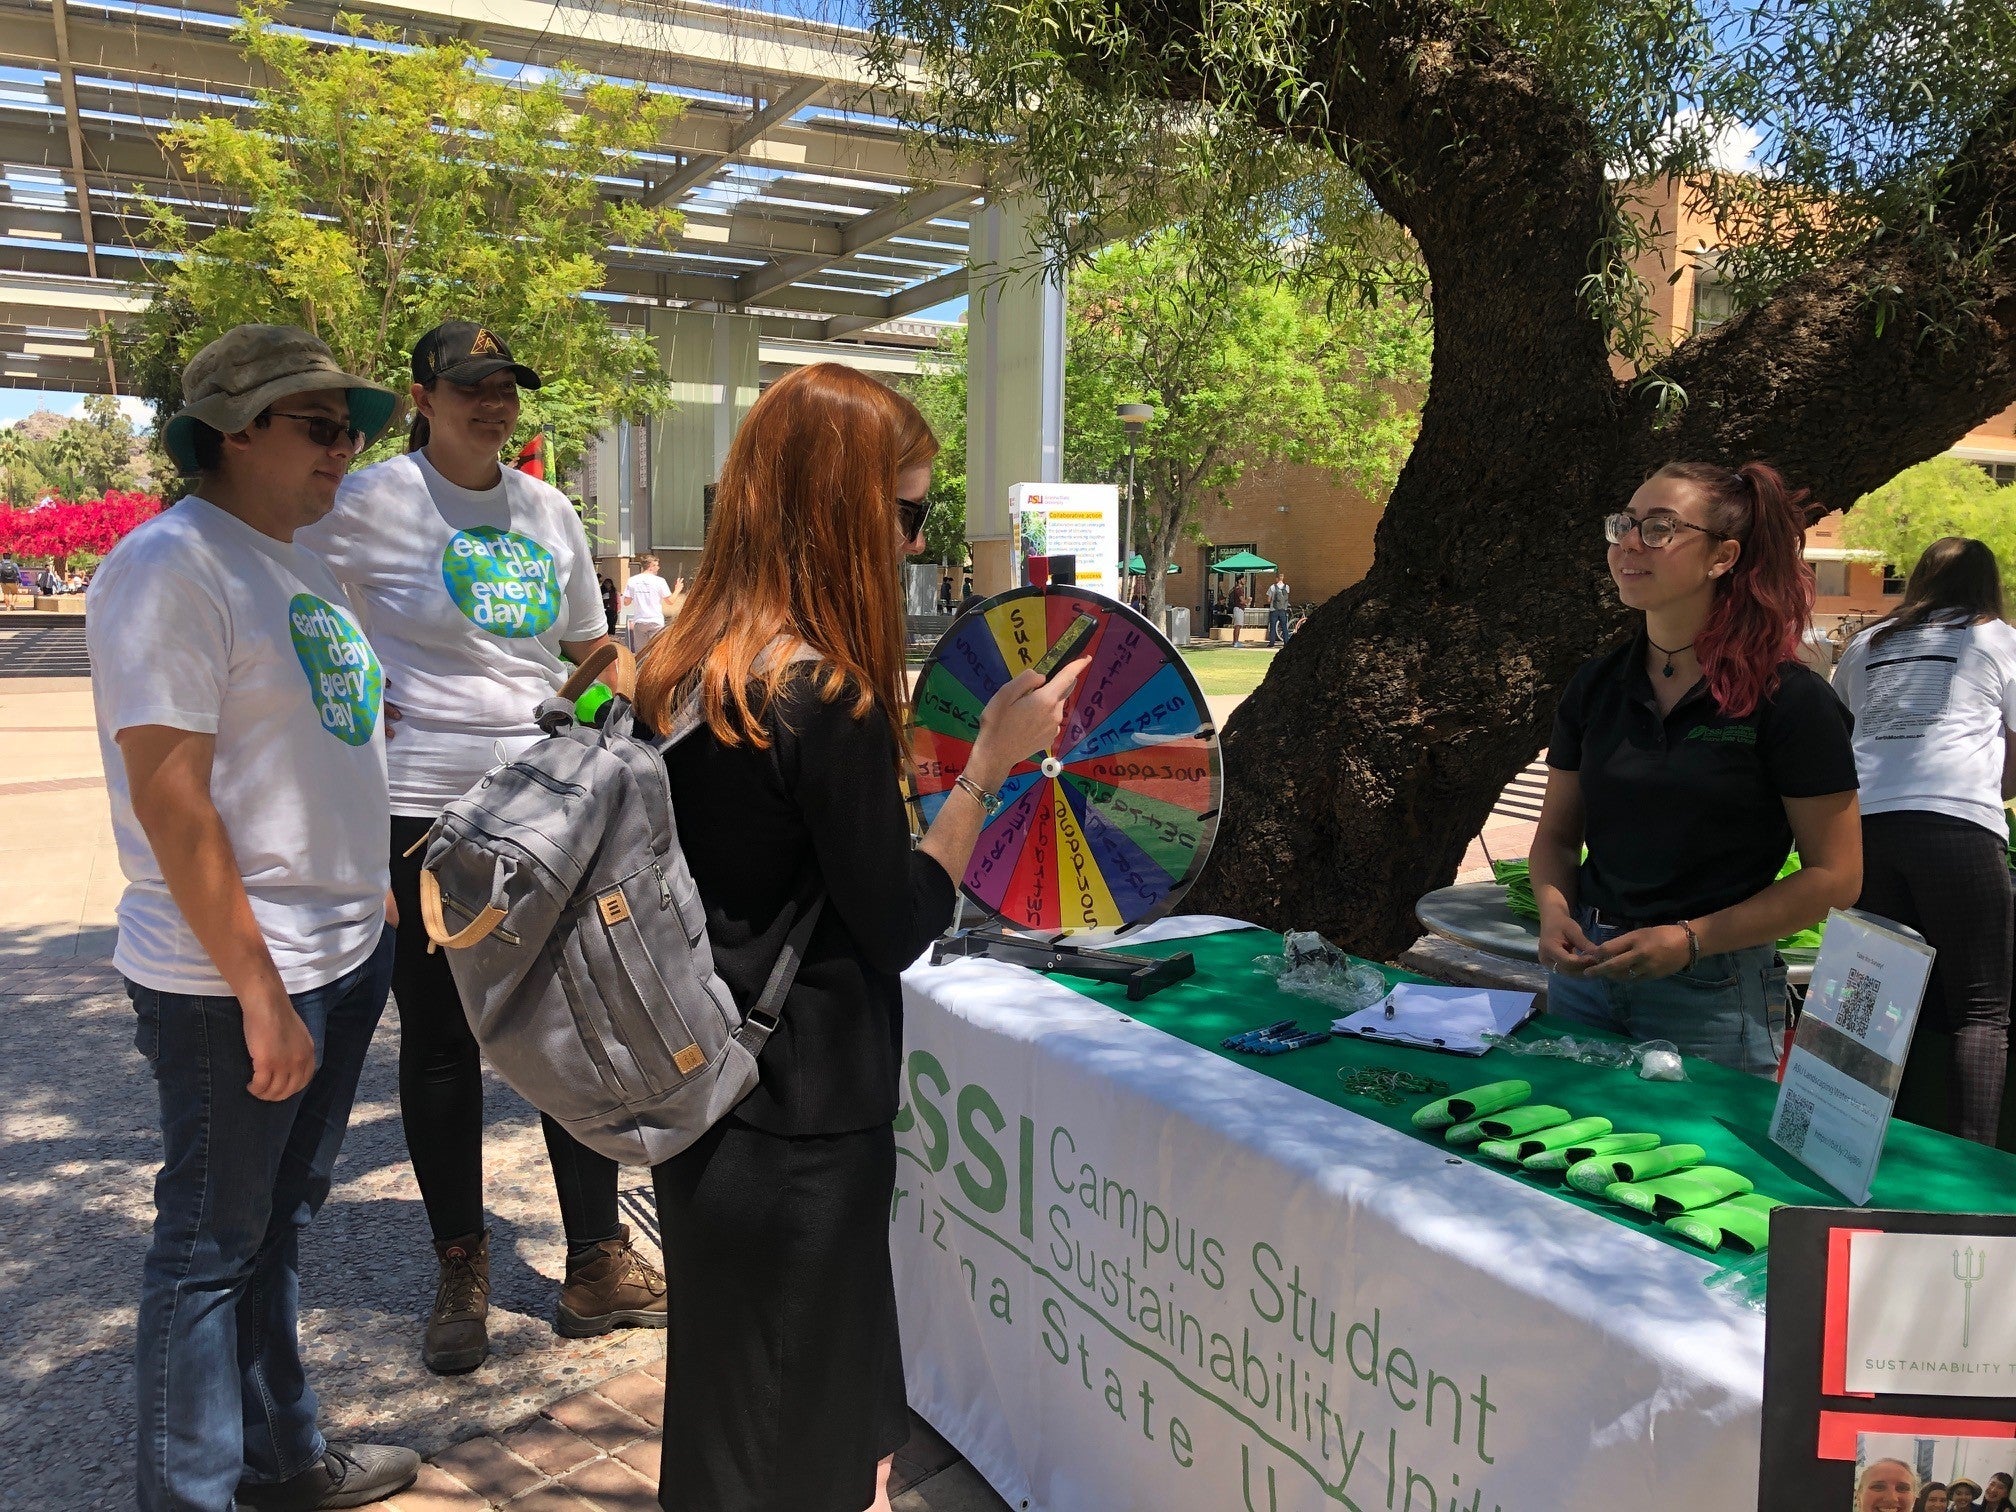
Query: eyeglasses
{"type": "Point", "coordinates": [911, 514]}
{"type": "Point", "coordinates": [323, 431]}
{"type": "Point", "coordinates": [1656, 531]}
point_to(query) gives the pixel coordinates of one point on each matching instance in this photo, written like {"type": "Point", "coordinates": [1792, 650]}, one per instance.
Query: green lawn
{"type": "Point", "coordinates": [1229, 671]}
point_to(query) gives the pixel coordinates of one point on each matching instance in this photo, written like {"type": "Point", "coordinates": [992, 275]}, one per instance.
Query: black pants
{"type": "Point", "coordinates": [441, 1089]}
{"type": "Point", "coordinates": [1948, 879]}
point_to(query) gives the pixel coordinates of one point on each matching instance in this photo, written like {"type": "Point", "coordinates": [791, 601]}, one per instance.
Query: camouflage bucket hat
{"type": "Point", "coordinates": [236, 377]}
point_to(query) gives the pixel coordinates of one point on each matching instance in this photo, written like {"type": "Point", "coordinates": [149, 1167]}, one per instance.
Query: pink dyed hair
{"type": "Point", "coordinates": [1763, 604]}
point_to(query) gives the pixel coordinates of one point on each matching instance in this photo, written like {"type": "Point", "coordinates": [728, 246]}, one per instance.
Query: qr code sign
{"type": "Point", "coordinates": [1795, 1122]}
{"type": "Point", "coordinates": [1858, 1003]}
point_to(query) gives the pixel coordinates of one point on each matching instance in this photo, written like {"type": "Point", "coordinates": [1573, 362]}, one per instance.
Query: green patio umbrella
{"type": "Point", "coordinates": [1242, 561]}
{"type": "Point", "coordinates": [1136, 566]}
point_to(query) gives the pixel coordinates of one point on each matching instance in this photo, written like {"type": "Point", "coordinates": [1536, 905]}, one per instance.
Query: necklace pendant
{"type": "Point", "coordinates": [1667, 670]}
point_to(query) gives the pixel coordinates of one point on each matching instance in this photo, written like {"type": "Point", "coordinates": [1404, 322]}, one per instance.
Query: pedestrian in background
{"type": "Point", "coordinates": [477, 587]}
{"type": "Point", "coordinates": [1933, 690]}
{"type": "Point", "coordinates": [784, 1376]}
{"type": "Point", "coordinates": [645, 597]}
{"type": "Point", "coordinates": [248, 805]}
{"type": "Point", "coordinates": [1277, 612]}
{"type": "Point", "coordinates": [1689, 760]}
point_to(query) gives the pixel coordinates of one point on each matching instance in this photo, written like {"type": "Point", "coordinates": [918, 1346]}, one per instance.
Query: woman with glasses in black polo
{"type": "Point", "coordinates": [1689, 761]}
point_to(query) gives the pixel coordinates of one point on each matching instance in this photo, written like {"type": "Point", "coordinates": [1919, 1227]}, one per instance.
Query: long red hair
{"type": "Point", "coordinates": [1764, 603]}
{"type": "Point", "coordinates": [800, 546]}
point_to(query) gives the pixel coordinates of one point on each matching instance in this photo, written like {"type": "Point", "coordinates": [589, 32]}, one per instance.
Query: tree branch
{"type": "Point", "coordinates": [1809, 382]}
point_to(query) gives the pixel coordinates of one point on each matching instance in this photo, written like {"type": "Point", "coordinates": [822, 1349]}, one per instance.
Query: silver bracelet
{"type": "Point", "coordinates": [988, 802]}
{"type": "Point", "coordinates": [1693, 945]}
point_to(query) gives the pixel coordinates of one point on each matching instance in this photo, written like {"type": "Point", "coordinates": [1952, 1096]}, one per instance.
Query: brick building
{"type": "Point", "coordinates": [1317, 529]}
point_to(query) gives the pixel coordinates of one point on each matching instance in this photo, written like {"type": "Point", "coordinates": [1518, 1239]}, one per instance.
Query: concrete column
{"type": "Point", "coordinates": [712, 361]}
{"type": "Point", "coordinates": [1014, 378]}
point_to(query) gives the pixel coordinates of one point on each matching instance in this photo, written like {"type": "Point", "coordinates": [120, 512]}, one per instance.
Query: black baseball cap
{"type": "Point", "coordinates": [464, 352]}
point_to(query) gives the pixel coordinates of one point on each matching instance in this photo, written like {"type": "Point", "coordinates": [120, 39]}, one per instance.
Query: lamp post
{"type": "Point", "coordinates": [1134, 420]}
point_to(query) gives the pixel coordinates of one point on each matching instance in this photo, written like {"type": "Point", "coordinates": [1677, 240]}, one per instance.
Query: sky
{"type": "Point", "coordinates": [17, 404]}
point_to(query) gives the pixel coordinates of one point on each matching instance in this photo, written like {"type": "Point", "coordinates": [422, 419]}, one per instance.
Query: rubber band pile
{"type": "Point", "coordinates": [1707, 1205]}
{"type": "Point", "coordinates": [1384, 1085]}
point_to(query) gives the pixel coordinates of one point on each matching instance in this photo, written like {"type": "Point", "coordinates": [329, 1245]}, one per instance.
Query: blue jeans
{"type": "Point", "coordinates": [1728, 1008]}
{"type": "Point", "coordinates": [220, 1391]}
{"type": "Point", "coordinates": [1277, 626]}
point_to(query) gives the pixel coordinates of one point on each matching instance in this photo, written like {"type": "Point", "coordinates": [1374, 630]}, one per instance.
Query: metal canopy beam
{"type": "Point", "coordinates": [919, 297]}
{"type": "Point", "coordinates": [704, 165]}
{"type": "Point", "coordinates": [803, 200]}
{"type": "Point", "coordinates": [864, 233]}
{"type": "Point", "coordinates": [74, 129]}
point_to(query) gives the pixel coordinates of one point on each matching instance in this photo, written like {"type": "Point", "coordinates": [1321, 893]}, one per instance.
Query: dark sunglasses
{"type": "Point", "coordinates": [911, 515]}
{"type": "Point", "coordinates": [323, 431]}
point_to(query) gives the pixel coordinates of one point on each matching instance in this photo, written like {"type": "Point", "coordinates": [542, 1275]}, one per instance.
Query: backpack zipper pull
{"type": "Point", "coordinates": [664, 887]}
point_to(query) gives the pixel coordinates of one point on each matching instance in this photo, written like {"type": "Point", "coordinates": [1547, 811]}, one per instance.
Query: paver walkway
{"type": "Point", "coordinates": [599, 1449]}
{"type": "Point", "coordinates": [78, 1150]}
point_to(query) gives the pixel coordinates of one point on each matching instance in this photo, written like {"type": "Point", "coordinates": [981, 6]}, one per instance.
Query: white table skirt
{"type": "Point", "coordinates": [1134, 1274]}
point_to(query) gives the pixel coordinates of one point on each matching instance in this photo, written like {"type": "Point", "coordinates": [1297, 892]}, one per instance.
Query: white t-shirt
{"type": "Point", "coordinates": [467, 597]}
{"type": "Point", "coordinates": [1931, 707]}
{"type": "Point", "coordinates": [199, 622]}
{"type": "Point", "coordinates": [646, 596]}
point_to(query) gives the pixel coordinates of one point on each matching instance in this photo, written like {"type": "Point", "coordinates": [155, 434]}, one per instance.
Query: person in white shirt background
{"type": "Point", "coordinates": [238, 708]}
{"type": "Point", "coordinates": [645, 596]}
{"type": "Point", "coordinates": [1933, 691]}
{"type": "Point", "coordinates": [473, 580]}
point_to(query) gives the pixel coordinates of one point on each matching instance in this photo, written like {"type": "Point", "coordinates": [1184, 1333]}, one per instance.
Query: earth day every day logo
{"type": "Point", "coordinates": [504, 582]}
{"type": "Point", "coordinates": [343, 674]}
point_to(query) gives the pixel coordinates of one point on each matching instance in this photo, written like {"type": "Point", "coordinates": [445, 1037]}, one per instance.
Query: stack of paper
{"type": "Point", "coordinates": [1440, 1018]}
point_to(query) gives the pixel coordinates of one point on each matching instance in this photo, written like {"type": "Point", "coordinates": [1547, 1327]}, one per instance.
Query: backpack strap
{"type": "Point", "coordinates": [760, 1022]}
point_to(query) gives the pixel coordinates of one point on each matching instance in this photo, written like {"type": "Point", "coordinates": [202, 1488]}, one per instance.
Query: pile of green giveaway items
{"type": "Point", "coordinates": [1707, 1205]}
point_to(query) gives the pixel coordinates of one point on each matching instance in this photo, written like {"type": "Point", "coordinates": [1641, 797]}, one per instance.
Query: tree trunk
{"type": "Point", "coordinates": [1162, 529]}
{"type": "Point", "coordinates": [1369, 757]}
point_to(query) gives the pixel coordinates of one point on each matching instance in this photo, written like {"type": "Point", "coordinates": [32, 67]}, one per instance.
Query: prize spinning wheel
{"type": "Point", "coordinates": [1109, 829]}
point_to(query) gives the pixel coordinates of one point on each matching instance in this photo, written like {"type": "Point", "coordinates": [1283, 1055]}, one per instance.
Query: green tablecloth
{"type": "Point", "coordinates": [1725, 1112]}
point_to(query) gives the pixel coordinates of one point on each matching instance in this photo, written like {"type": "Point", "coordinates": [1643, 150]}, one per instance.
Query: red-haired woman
{"type": "Point", "coordinates": [1689, 761]}
{"type": "Point", "coordinates": [784, 1383]}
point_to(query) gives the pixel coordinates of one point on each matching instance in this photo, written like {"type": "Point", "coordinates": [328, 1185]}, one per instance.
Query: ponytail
{"type": "Point", "coordinates": [1764, 603]}
{"type": "Point", "coordinates": [418, 432]}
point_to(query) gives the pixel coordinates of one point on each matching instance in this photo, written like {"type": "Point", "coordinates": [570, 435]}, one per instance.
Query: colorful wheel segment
{"type": "Point", "coordinates": [1108, 829]}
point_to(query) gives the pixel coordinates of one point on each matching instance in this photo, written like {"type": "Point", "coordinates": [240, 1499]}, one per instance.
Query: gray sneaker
{"type": "Point", "coordinates": [348, 1475]}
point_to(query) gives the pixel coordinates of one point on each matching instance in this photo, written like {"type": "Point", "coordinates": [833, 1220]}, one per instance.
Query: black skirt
{"type": "Point", "coordinates": [783, 1374]}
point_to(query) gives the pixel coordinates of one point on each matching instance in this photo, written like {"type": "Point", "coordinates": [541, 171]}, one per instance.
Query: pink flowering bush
{"type": "Point", "coordinates": [61, 528]}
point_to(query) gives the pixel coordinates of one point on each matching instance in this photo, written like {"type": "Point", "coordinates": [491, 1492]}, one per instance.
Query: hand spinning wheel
{"type": "Point", "coordinates": [1108, 830]}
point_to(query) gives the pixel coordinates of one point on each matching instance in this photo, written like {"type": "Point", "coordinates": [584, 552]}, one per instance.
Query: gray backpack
{"type": "Point", "coordinates": [579, 944]}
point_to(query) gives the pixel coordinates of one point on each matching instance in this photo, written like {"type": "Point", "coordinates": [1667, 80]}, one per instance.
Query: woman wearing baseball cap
{"type": "Point", "coordinates": [475, 580]}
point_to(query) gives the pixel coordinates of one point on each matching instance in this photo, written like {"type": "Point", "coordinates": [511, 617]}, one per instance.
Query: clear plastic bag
{"type": "Point", "coordinates": [1743, 1280]}
{"type": "Point", "coordinates": [1654, 1060]}
{"type": "Point", "coordinates": [1310, 966]}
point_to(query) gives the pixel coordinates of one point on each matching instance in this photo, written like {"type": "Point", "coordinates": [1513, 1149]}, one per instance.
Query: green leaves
{"type": "Point", "coordinates": [1802, 128]}
{"type": "Point", "coordinates": [1943, 497]}
{"type": "Point", "coordinates": [1242, 369]}
{"type": "Point", "coordinates": [380, 188]}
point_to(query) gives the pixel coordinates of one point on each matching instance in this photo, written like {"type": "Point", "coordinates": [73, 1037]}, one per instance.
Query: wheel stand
{"type": "Point", "coordinates": [1142, 975]}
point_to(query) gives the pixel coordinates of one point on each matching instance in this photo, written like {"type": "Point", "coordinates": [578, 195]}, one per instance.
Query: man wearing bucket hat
{"type": "Point", "coordinates": [238, 708]}
{"type": "Point", "coordinates": [477, 586]}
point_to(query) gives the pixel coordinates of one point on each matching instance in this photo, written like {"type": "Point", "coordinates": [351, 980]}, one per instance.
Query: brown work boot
{"type": "Point", "coordinates": [457, 1338]}
{"type": "Point", "coordinates": [616, 1288]}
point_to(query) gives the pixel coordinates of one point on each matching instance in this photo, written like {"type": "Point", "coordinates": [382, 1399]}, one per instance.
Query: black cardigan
{"type": "Point", "coordinates": [760, 829]}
